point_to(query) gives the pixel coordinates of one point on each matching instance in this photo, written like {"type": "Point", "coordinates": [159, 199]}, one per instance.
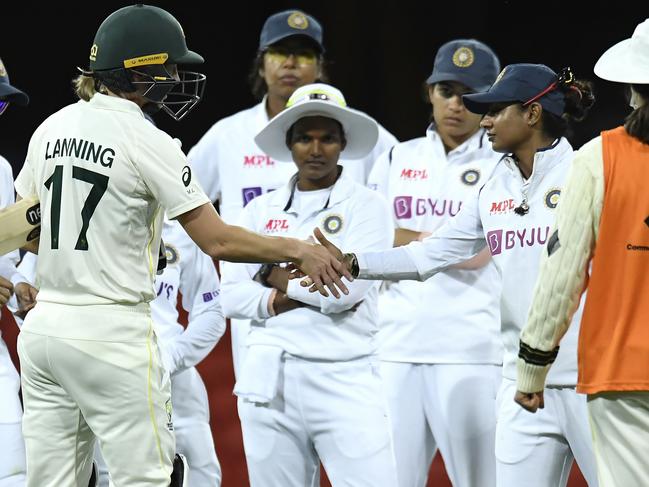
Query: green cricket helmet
{"type": "Point", "coordinates": [133, 50]}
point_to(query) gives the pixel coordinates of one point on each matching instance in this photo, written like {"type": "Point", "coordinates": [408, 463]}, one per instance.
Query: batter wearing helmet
{"type": "Point", "coordinates": [105, 176]}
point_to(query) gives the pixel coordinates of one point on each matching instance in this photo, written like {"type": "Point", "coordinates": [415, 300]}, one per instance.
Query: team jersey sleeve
{"type": "Point", "coordinates": [242, 297]}
{"type": "Point", "coordinates": [167, 173]}
{"type": "Point", "coordinates": [26, 181]}
{"type": "Point", "coordinates": [460, 239]}
{"type": "Point", "coordinates": [205, 162]}
{"type": "Point", "coordinates": [8, 261]}
{"type": "Point", "coordinates": [564, 266]}
{"type": "Point", "coordinates": [199, 286]}
{"type": "Point", "coordinates": [367, 229]}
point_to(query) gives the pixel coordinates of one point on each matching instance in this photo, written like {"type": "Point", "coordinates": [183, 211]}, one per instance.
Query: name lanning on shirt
{"type": "Point", "coordinates": [80, 149]}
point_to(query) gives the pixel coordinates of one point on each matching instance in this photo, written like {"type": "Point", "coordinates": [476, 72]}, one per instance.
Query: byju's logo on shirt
{"type": "Point", "coordinates": [501, 240]}
{"type": "Point", "coordinates": [257, 160]}
{"type": "Point", "coordinates": [414, 174]}
{"type": "Point", "coordinates": [406, 206]}
{"type": "Point", "coordinates": [207, 297]}
{"type": "Point", "coordinates": [274, 225]}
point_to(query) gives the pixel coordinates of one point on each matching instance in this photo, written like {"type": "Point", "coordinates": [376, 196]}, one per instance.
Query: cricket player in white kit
{"type": "Point", "coordinates": [104, 175]}
{"type": "Point", "coordinates": [512, 216]}
{"type": "Point", "coordinates": [228, 163]}
{"type": "Point", "coordinates": [439, 340]}
{"type": "Point", "coordinates": [309, 387]}
{"type": "Point", "coordinates": [12, 458]}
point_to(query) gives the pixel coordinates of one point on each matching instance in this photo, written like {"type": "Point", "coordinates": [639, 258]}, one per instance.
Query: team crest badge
{"type": "Point", "coordinates": [463, 57]}
{"type": "Point", "coordinates": [298, 20]}
{"type": "Point", "coordinates": [333, 224]}
{"type": "Point", "coordinates": [552, 198]}
{"type": "Point", "coordinates": [470, 177]}
{"type": "Point", "coordinates": [172, 254]}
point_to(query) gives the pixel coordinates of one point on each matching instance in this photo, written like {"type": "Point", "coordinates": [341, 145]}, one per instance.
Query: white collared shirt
{"type": "Point", "coordinates": [233, 170]}
{"type": "Point", "coordinates": [460, 321]}
{"type": "Point", "coordinates": [352, 216]}
{"type": "Point", "coordinates": [104, 176]}
{"type": "Point", "coordinates": [516, 243]}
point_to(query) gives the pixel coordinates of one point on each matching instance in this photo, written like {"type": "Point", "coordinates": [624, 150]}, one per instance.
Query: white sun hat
{"type": "Point", "coordinates": [628, 60]}
{"type": "Point", "coordinates": [319, 99]}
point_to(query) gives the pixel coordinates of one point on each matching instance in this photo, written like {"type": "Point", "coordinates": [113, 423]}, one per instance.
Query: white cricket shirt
{"type": "Point", "coordinates": [454, 316]}
{"type": "Point", "coordinates": [104, 176]}
{"type": "Point", "coordinates": [351, 216]}
{"type": "Point", "coordinates": [515, 241]}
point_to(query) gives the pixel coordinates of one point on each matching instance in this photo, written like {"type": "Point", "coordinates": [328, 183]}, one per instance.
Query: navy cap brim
{"type": "Point", "coordinates": [13, 95]}
{"type": "Point", "coordinates": [460, 78]}
{"type": "Point", "coordinates": [281, 37]}
{"type": "Point", "coordinates": [480, 102]}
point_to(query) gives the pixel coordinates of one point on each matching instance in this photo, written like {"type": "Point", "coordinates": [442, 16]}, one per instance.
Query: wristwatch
{"type": "Point", "coordinates": [263, 273]}
{"type": "Point", "coordinates": [351, 261]}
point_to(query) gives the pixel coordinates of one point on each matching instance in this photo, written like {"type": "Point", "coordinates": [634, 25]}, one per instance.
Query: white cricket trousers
{"type": "Point", "coordinates": [538, 449]}
{"type": "Point", "coordinates": [447, 406]}
{"type": "Point", "coordinates": [332, 412]}
{"type": "Point", "coordinates": [620, 427]}
{"type": "Point", "coordinates": [12, 446]}
{"type": "Point", "coordinates": [77, 390]}
{"type": "Point", "coordinates": [191, 418]}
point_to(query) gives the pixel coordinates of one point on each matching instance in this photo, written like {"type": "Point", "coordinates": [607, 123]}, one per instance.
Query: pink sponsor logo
{"type": "Point", "coordinates": [503, 240]}
{"type": "Point", "coordinates": [275, 225]}
{"type": "Point", "coordinates": [407, 207]}
{"type": "Point", "coordinates": [257, 160]}
{"type": "Point", "coordinates": [414, 174]}
{"type": "Point", "coordinates": [501, 207]}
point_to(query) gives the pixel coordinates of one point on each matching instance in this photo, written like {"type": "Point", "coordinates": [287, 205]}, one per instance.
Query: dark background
{"type": "Point", "coordinates": [380, 54]}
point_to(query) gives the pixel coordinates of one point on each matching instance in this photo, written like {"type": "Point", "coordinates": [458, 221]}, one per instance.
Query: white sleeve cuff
{"type": "Point", "coordinates": [394, 264]}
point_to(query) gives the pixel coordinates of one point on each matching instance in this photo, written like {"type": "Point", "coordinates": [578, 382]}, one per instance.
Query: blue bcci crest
{"type": "Point", "coordinates": [172, 254]}
{"type": "Point", "coordinates": [552, 198]}
{"type": "Point", "coordinates": [333, 224]}
{"type": "Point", "coordinates": [470, 177]}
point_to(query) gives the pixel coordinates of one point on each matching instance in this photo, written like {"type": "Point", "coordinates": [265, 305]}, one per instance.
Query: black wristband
{"type": "Point", "coordinates": [263, 273]}
{"type": "Point", "coordinates": [353, 264]}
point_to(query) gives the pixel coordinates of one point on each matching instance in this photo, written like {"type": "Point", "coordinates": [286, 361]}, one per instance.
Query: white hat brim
{"type": "Point", "coordinates": [624, 63]}
{"type": "Point", "coordinates": [361, 131]}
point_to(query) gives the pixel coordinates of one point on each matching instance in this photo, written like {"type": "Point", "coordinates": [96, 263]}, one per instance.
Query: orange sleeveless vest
{"type": "Point", "coordinates": [614, 336]}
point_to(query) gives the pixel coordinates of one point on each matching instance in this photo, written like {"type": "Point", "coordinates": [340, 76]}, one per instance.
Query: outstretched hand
{"type": "Point", "coordinates": [323, 269]}
{"type": "Point", "coordinates": [335, 252]}
{"type": "Point", "coordinates": [530, 401]}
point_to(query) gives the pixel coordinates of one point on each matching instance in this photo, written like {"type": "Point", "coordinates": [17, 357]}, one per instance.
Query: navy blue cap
{"type": "Point", "coordinates": [290, 23]}
{"type": "Point", "coordinates": [466, 61]}
{"type": "Point", "coordinates": [8, 92]}
{"type": "Point", "coordinates": [520, 83]}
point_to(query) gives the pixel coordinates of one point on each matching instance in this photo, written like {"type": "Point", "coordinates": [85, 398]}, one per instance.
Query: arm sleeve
{"type": "Point", "coordinates": [8, 261]}
{"type": "Point", "coordinates": [564, 266]}
{"type": "Point", "coordinates": [460, 239]}
{"type": "Point", "coordinates": [199, 285]}
{"type": "Point", "coordinates": [368, 229]}
{"type": "Point", "coordinates": [25, 182]}
{"type": "Point", "coordinates": [168, 175]}
{"type": "Point", "coordinates": [242, 297]}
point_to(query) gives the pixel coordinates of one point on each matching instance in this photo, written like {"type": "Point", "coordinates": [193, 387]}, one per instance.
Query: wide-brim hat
{"type": "Point", "coordinates": [628, 60]}
{"type": "Point", "coordinates": [318, 99]}
{"type": "Point", "coordinates": [9, 92]}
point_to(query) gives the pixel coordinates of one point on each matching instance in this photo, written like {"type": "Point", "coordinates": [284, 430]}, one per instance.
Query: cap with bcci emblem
{"type": "Point", "coordinates": [524, 83]}
{"type": "Point", "coordinates": [9, 93]}
{"type": "Point", "coordinates": [290, 23]}
{"type": "Point", "coordinates": [467, 61]}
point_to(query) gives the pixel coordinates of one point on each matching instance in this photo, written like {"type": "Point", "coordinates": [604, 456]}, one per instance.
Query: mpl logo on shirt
{"type": "Point", "coordinates": [502, 207]}
{"type": "Point", "coordinates": [407, 207]}
{"type": "Point", "coordinates": [257, 160]}
{"type": "Point", "coordinates": [414, 174]}
{"type": "Point", "coordinates": [274, 225]}
{"type": "Point", "coordinates": [502, 240]}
